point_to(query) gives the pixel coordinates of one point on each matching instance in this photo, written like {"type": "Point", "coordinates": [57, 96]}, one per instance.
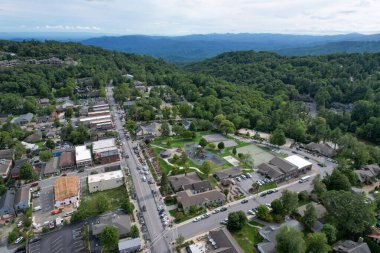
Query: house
{"type": "Point", "coordinates": [51, 167]}
{"type": "Point", "coordinates": [129, 245]}
{"type": "Point", "coordinates": [30, 146]}
{"type": "Point", "coordinates": [269, 233]}
{"type": "Point", "coordinates": [82, 156]}
{"type": "Point", "coordinates": [66, 190]}
{"type": "Point", "coordinates": [44, 101]}
{"type": "Point", "coordinates": [186, 124]}
{"type": "Point", "coordinates": [5, 168]}
{"type": "Point", "coordinates": [321, 213]}
{"type": "Point", "coordinates": [149, 130]}
{"type": "Point", "coordinates": [198, 187]}
{"type": "Point", "coordinates": [8, 154]}
{"type": "Point", "coordinates": [15, 172]}
{"type": "Point", "coordinates": [203, 199]}
{"type": "Point", "coordinates": [223, 241]}
{"type": "Point", "coordinates": [321, 148]}
{"type": "Point", "coordinates": [22, 199]}
{"type": "Point", "coordinates": [105, 181]}
{"type": "Point", "coordinates": [67, 160]}
{"type": "Point", "coordinates": [119, 221]}
{"type": "Point", "coordinates": [23, 119]}
{"type": "Point", "coordinates": [34, 137]}
{"type": "Point", "coordinates": [228, 173]}
{"type": "Point", "coordinates": [279, 169]}
{"type": "Point", "coordinates": [349, 246]}
{"type": "Point", "coordinates": [368, 173]}
{"type": "Point", "coordinates": [6, 204]}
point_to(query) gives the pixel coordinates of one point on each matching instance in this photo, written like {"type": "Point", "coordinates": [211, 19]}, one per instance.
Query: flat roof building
{"type": "Point", "coordinates": [105, 181]}
{"type": "Point", "coordinates": [82, 156]}
{"type": "Point", "coordinates": [299, 162]}
{"type": "Point", "coordinates": [105, 151]}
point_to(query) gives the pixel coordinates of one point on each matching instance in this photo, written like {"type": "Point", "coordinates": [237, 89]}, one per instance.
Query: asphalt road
{"type": "Point", "coordinates": [143, 189]}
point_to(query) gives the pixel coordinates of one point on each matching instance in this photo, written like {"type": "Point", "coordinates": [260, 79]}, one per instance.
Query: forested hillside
{"type": "Point", "coordinates": [257, 92]}
{"type": "Point", "coordinates": [345, 78]}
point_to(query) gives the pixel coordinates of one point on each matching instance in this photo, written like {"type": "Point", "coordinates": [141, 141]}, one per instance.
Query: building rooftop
{"type": "Point", "coordinates": [7, 154]}
{"type": "Point", "coordinates": [52, 166]}
{"type": "Point", "coordinates": [125, 244]}
{"type": "Point", "coordinates": [298, 161]}
{"type": "Point", "coordinates": [320, 209]}
{"type": "Point", "coordinates": [224, 240]}
{"type": "Point", "coordinates": [88, 119]}
{"type": "Point", "coordinates": [103, 145]}
{"type": "Point", "coordinates": [6, 201]}
{"type": "Point", "coordinates": [228, 173]}
{"type": "Point", "coordinates": [120, 221]}
{"type": "Point", "coordinates": [67, 159]}
{"type": "Point", "coordinates": [105, 176]}
{"type": "Point", "coordinates": [187, 198]}
{"type": "Point", "coordinates": [66, 187]}
{"type": "Point", "coordinates": [283, 164]}
{"type": "Point", "coordinates": [5, 165]}
{"type": "Point", "coordinates": [82, 153]}
{"type": "Point", "coordinates": [22, 195]}
{"type": "Point", "coordinates": [178, 181]}
{"type": "Point", "coordinates": [349, 246]}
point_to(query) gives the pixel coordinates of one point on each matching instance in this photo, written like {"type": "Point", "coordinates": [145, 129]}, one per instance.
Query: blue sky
{"type": "Point", "coordinates": [179, 17]}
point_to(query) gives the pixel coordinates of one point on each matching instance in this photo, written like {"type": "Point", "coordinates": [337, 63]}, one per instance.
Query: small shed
{"type": "Point", "coordinates": [165, 153]}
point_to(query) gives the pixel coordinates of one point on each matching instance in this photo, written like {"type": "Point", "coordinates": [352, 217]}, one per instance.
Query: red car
{"type": "Point", "coordinates": [34, 184]}
{"type": "Point", "coordinates": [55, 211]}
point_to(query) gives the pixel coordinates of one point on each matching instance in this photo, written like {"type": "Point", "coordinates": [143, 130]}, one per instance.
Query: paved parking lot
{"type": "Point", "coordinates": [66, 240]}
{"type": "Point", "coordinates": [246, 184]}
{"type": "Point", "coordinates": [46, 201]}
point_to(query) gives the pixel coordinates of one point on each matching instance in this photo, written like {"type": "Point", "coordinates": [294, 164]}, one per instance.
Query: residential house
{"type": "Point", "coordinates": [105, 181]}
{"type": "Point", "coordinates": [15, 172]}
{"type": "Point", "coordinates": [8, 154]}
{"type": "Point", "coordinates": [228, 173]}
{"type": "Point", "coordinates": [34, 137]}
{"type": "Point", "coordinates": [349, 246]}
{"type": "Point", "coordinates": [321, 213]}
{"type": "Point", "coordinates": [5, 168]}
{"type": "Point", "coordinates": [6, 204]}
{"type": "Point", "coordinates": [44, 101]}
{"type": "Point", "coordinates": [105, 151]}
{"type": "Point", "coordinates": [203, 199]}
{"type": "Point", "coordinates": [120, 221]}
{"type": "Point", "coordinates": [186, 124]}
{"type": "Point", "coordinates": [189, 181]}
{"type": "Point", "coordinates": [269, 233]}
{"type": "Point", "coordinates": [22, 199]}
{"type": "Point", "coordinates": [66, 191]}
{"type": "Point", "coordinates": [51, 167]}
{"type": "Point", "coordinates": [67, 160]}
{"type": "Point", "coordinates": [23, 119]}
{"type": "Point", "coordinates": [149, 130]}
{"type": "Point", "coordinates": [82, 156]}
{"type": "Point", "coordinates": [321, 148]}
{"type": "Point", "coordinates": [223, 241]}
{"type": "Point", "coordinates": [368, 173]}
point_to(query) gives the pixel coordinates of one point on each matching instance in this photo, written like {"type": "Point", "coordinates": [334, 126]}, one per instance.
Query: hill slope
{"type": "Point", "coordinates": [198, 47]}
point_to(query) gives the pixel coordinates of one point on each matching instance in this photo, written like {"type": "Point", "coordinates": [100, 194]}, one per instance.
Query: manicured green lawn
{"type": "Point", "coordinates": [268, 186]}
{"type": "Point", "coordinates": [114, 196]}
{"type": "Point", "coordinates": [247, 237]}
{"type": "Point", "coordinates": [181, 217]}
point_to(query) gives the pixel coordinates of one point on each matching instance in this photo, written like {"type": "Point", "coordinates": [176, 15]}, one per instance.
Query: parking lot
{"type": "Point", "coordinates": [246, 184]}
{"type": "Point", "coordinates": [46, 201]}
{"type": "Point", "coordinates": [66, 240]}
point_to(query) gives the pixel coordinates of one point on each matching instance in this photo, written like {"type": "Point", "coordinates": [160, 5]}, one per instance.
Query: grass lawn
{"type": "Point", "coordinates": [268, 186]}
{"type": "Point", "coordinates": [247, 237]}
{"type": "Point", "coordinates": [181, 217]}
{"type": "Point", "coordinates": [255, 223]}
{"type": "Point", "coordinates": [115, 198]}
{"type": "Point", "coordinates": [177, 141]}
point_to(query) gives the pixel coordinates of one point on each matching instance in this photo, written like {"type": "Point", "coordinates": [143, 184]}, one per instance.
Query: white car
{"type": "Point", "coordinates": [18, 240]}
{"type": "Point", "coordinates": [196, 219]}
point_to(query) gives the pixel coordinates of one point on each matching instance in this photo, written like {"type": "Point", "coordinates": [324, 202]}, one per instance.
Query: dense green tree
{"type": "Point", "coordinates": [45, 155]}
{"type": "Point", "coordinates": [234, 151]}
{"type": "Point", "coordinates": [203, 143]}
{"type": "Point", "coordinates": [109, 237]}
{"type": "Point", "coordinates": [337, 181]}
{"type": "Point", "coordinates": [318, 186]}
{"type": "Point", "coordinates": [330, 232]}
{"type": "Point", "coordinates": [179, 240]}
{"type": "Point", "coordinates": [27, 172]}
{"type": "Point", "coordinates": [317, 243]}
{"type": "Point", "coordinates": [206, 167]}
{"type": "Point", "coordinates": [221, 145]}
{"type": "Point", "coordinates": [102, 203]}
{"type": "Point", "coordinates": [350, 213]}
{"type": "Point", "coordinates": [310, 216]}
{"type": "Point", "coordinates": [277, 137]}
{"type": "Point", "coordinates": [263, 213]}
{"type": "Point", "coordinates": [134, 231]}
{"type": "Point", "coordinates": [50, 144]}
{"type": "Point", "coordinates": [164, 184]}
{"type": "Point", "coordinates": [236, 220]}
{"type": "Point", "coordinates": [226, 127]}
{"type": "Point", "coordinates": [289, 200]}
{"type": "Point", "coordinates": [165, 129]}
{"type": "Point", "coordinates": [127, 206]}
{"type": "Point", "coordinates": [290, 239]}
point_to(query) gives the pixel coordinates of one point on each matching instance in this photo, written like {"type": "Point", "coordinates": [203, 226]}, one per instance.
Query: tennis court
{"type": "Point", "coordinates": [259, 155]}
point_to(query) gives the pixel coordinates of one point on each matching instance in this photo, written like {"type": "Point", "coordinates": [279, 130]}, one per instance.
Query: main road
{"type": "Point", "coordinates": [143, 189]}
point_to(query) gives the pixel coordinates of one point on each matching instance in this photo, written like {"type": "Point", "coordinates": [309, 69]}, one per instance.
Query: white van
{"type": "Point", "coordinates": [304, 179]}
{"type": "Point", "coordinates": [36, 208]}
{"type": "Point", "coordinates": [143, 179]}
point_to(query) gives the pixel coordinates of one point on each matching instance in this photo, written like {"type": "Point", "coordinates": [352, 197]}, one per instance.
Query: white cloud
{"type": "Point", "coordinates": [173, 17]}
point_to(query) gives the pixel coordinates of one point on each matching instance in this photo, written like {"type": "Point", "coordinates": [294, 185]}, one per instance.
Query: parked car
{"type": "Point", "coordinates": [244, 201]}
{"type": "Point", "coordinates": [34, 184]}
{"type": "Point", "coordinates": [263, 194]}
{"type": "Point", "coordinates": [36, 208]}
{"type": "Point", "coordinates": [223, 209]}
{"type": "Point", "coordinates": [18, 240]}
{"type": "Point", "coordinates": [196, 219]}
{"type": "Point", "coordinates": [55, 211]}
{"type": "Point", "coordinates": [248, 175]}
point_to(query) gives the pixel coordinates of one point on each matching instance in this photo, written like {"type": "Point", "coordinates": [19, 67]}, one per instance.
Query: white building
{"type": "Point", "coordinates": [105, 181]}
{"type": "Point", "coordinates": [83, 156]}
{"type": "Point", "coordinates": [299, 162]}
{"type": "Point", "coordinates": [88, 120]}
{"type": "Point", "coordinates": [103, 145]}
{"type": "Point", "coordinates": [66, 191]}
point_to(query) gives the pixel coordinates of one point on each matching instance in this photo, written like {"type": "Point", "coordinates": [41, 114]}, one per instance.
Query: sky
{"type": "Point", "coordinates": [181, 17]}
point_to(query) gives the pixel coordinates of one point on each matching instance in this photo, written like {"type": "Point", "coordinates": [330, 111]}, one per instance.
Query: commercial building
{"type": "Point", "coordinates": [228, 173]}
{"type": "Point", "coordinates": [99, 113]}
{"type": "Point", "coordinates": [119, 221]}
{"type": "Point", "coordinates": [302, 165]}
{"type": "Point", "coordinates": [22, 199]}
{"type": "Point", "coordinates": [66, 191]}
{"type": "Point", "coordinates": [82, 156]}
{"type": "Point", "coordinates": [51, 167]}
{"type": "Point", "coordinates": [129, 245]}
{"type": "Point", "coordinates": [203, 199]}
{"type": "Point", "coordinates": [105, 181]}
{"type": "Point", "coordinates": [67, 160]}
{"type": "Point", "coordinates": [321, 148]}
{"type": "Point", "coordinates": [223, 242]}
{"type": "Point", "coordinates": [87, 120]}
{"type": "Point", "coordinates": [100, 107]}
{"type": "Point", "coordinates": [105, 151]}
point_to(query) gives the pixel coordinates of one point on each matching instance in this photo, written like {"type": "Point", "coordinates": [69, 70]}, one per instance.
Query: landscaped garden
{"type": "Point", "coordinates": [247, 237]}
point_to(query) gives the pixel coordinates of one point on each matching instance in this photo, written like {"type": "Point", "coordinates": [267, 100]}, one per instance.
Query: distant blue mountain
{"type": "Point", "coordinates": [197, 47]}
